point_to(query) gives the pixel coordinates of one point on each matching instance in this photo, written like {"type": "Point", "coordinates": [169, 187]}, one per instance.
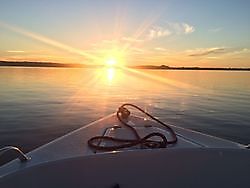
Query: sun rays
{"type": "Point", "coordinates": [114, 55]}
{"type": "Point", "coordinates": [48, 41]}
{"type": "Point", "coordinates": [118, 51]}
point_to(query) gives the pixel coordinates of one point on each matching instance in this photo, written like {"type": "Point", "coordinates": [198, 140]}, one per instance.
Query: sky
{"type": "Point", "coordinates": [214, 33]}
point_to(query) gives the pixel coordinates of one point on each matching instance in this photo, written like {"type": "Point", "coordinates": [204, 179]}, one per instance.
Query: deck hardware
{"type": "Point", "coordinates": [22, 157]}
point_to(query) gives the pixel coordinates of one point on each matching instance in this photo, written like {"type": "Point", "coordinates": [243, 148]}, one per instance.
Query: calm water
{"type": "Point", "coordinates": [40, 104]}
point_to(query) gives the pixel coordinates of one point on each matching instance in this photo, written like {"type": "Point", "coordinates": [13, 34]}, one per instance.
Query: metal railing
{"type": "Point", "coordinates": [22, 157]}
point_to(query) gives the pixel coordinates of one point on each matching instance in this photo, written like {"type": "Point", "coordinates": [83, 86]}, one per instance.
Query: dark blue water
{"type": "Point", "coordinates": [38, 105]}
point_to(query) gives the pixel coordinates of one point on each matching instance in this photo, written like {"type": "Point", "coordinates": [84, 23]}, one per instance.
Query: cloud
{"type": "Point", "coordinates": [181, 28]}
{"type": "Point", "coordinates": [158, 32]}
{"type": "Point", "coordinates": [206, 51]}
{"type": "Point", "coordinates": [130, 39]}
{"type": "Point", "coordinates": [135, 50]}
{"type": "Point", "coordinates": [15, 51]}
{"type": "Point", "coordinates": [160, 49]}
{"type": "Point", "coordinates": [188, 28]}
{"type": "Point", "coordinates": [170, 28]}
{"type": "Point", "coordinates": [215, 30]}
{"type": "Point", "coordinates": [239, 51]}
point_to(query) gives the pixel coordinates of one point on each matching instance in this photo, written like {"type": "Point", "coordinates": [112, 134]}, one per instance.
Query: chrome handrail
{"type": "Point", "coordinates": [22, 157]}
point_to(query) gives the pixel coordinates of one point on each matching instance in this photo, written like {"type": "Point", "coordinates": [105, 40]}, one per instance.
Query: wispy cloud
{"type": "Point", "coordinates": [187, 28]}
{"type": "Point", "coordinates": [158, 32]}
{"type": "Point", "coordinates": [170, 28]}
{"type": "Point", "coordinates": [15, 51]}
{"type": "Point", "coordinates": [206, 51]}
{"type": "Point", "coordinates": [215, 30]}
{"type": "Point", "coordinates": [181, 28]}
{"type": "Point", "coordinates": [160, 49]}
{"type": "Point", "coordinates": [131, 39]}
{"type": "Point", "coordinates": [240, 51]}
{"type": "Point", "coordinates": [136, 50]}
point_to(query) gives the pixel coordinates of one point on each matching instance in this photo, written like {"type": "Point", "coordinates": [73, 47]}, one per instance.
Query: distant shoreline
{"type": "Point", "coordinates": [152, 67]}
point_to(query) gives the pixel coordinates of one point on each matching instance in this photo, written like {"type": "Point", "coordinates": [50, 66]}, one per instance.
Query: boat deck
{"type": "Point", "coordinates": [75, 144]}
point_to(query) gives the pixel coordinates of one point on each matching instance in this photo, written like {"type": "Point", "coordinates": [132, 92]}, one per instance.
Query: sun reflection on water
{"type": "Point", "coordinates": [110, 74]}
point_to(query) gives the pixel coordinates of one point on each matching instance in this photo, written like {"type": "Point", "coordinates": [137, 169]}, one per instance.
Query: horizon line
{"type": "Point", "coordinates": [80, 65]}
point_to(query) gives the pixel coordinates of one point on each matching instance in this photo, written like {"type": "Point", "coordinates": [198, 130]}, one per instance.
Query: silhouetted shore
{"type": "Point", "coordinates": [40, 64]}
{"type": "Point", "coordinates": [153, 67]}
{"type": "Point", "coordinates": [164, 67]}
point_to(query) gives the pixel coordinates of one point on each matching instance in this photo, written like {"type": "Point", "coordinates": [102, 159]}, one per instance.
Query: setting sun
{"type": "Point", "coordinates": [111, 62]}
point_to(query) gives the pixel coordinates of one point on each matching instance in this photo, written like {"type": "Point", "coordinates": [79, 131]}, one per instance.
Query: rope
{"type": "Point", "coordinates": [122, 114]}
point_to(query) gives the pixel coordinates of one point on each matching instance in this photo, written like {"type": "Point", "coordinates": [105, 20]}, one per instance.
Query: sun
{"type": "Point", "coordinates": [115, 58]}
{"type": "Point", "coordinates": [111, 62]}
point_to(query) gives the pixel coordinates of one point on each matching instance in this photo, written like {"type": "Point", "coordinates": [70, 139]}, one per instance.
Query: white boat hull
{"type": "Point", "coordinates": [196, 160]}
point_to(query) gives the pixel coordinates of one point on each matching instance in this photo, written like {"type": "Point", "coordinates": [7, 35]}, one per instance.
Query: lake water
{"type": "Point", "coordinates": [38, 105]}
